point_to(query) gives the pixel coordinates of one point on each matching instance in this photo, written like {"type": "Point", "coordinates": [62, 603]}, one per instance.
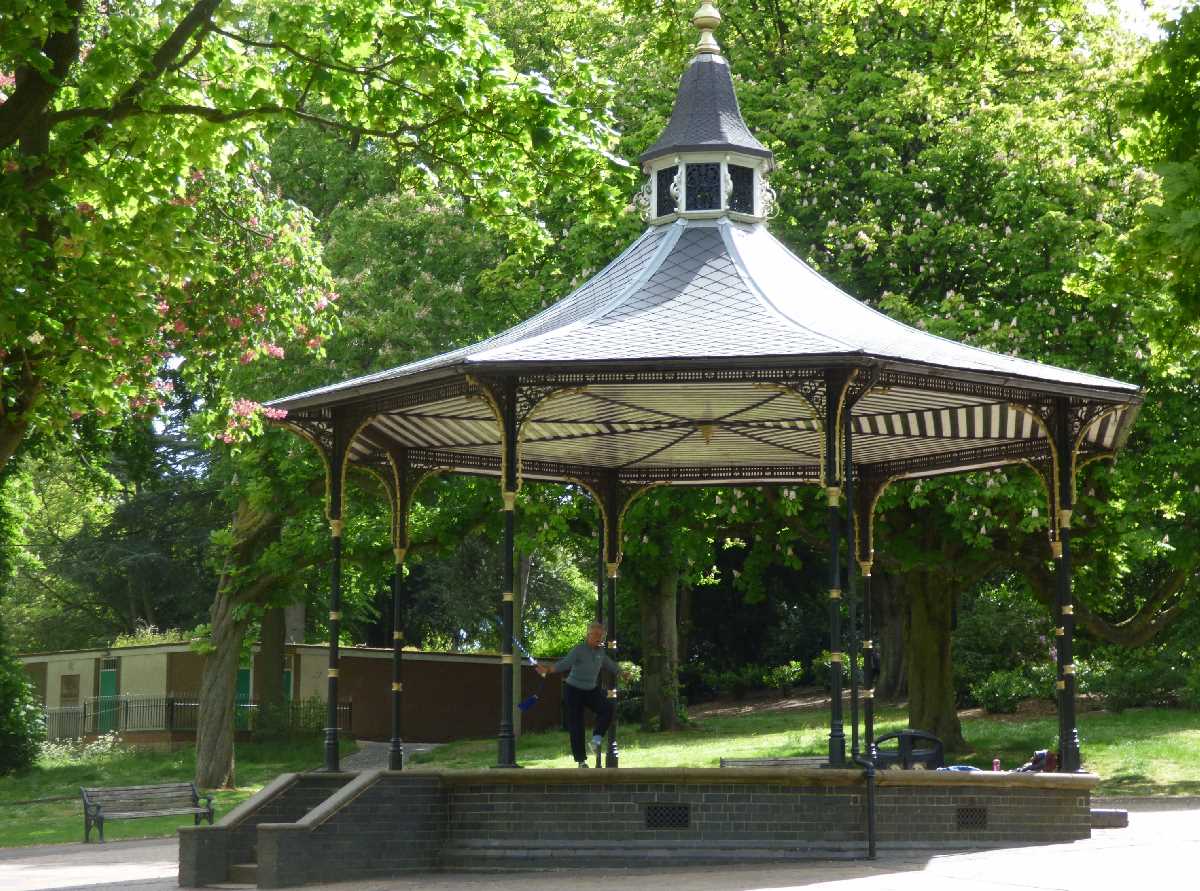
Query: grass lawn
{"type": "Point", "coordinates": [1137, 752]}
{"type": "Point", "coordinates": [49, 822]}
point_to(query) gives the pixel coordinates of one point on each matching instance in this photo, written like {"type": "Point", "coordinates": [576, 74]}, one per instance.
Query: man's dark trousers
{"type": "Point", "coordinates": [577, 700]}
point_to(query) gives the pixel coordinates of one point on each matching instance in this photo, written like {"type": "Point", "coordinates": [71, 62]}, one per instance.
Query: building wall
{"type": "Point", "coordinates": [37, 677]}
{"type": "Point", "coordinates": [82, 664]}
{"type": "Point", "coordinates": [445, 696]}
{"type": "Point", "coordinates": [184, 671]}
{"type": "Point", "coordinates": [143, 674]}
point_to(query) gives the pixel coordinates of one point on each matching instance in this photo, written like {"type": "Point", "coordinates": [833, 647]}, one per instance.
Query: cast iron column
{"type": "Point", "coordinates": [612, 532]}
{"type": "Point", "coordinates": [837, 737]}
{"type": "Point", "coordinates": [508, 743]}
{"type": "Point", "coordinates": [868, 666]}
{"type": "Point", "coordinates": [600, 584]}
{"type": "Point", "coordinates": [335, 590]}
{"type": "Point", "coordinates": [1068, 733]}
{"type": "Point", "coordinates": [851, 593]}
{"type": "Point", "coordinates": [396, 751]}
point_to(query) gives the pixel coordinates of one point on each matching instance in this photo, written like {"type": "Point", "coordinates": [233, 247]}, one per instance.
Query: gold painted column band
{"type": "Point", "coordinates": [835, 593]}
{"type": "Point", "coordinates": [1069, 668]}
{"type": "Point", "coordinates": [507, 596]}
{"type": "Point", "coordinates": [510, 500]}
{"type": "Point", "coordinates": [397, 687]}
{"type": "Point", "coordinates": [612, 569]}
{"type": "Point", "coordinates": [833, 494]}
{"type": "Point", "coordinates": [612, 644]}
{"type": "Point", "coordinates": [397, 635]}
{"type": "Point", "coordinates": [612, 694]}
{"type": "Point", "coordinates": [865, 567]}
{"type": "Point", "coordinates": [835, 657]}
{"type": "Point", "coordinates": [868, 644]}
{"type": "Point", "coordinates": [868, 694]}
{"type": "Point", "coordinates": [399, 554]}
{"type": "Point", "coordinates": [335, 616]}
{"type": "Point", "coordinates": [1056, 550]}
{"type": "Point", "coordinates": [1068, 610]}
{"type": "Point", "coordinates": [1060, 631]}
{"type": "Point", "coordinates": [1061, 685]}
{"type": "Point", "coordinates": [333, 672]}
{"type": "Point", "coordinates": [1064, 518]}
{"type": "Point", "coordinates": [510, 658]}
{"type": "Point", "coordinates": [336, 527]}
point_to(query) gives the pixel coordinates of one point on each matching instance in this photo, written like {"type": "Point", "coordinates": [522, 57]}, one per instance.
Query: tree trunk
{"type": "Point", "coordinates": [931, 684]}
{"type": "Point", "coordinates": [887, 598]}
{"type": "Point", "coordinates": [252, 530]}
{"type": "Point", "coordinates": [214, 725]}
{"type": "Point", "coordinates": [660, 658]}
{"type": "Point", "coordinates": [683, 623]}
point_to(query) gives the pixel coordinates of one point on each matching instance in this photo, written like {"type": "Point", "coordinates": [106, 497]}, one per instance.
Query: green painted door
{"type": "Point", "coordinates": [108, 704]}
{"type": "Point", "coordinates": [287, 685]}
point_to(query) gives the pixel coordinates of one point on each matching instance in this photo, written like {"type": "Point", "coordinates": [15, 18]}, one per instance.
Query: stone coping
{"type": "Point", "coordinates": [785, 776]}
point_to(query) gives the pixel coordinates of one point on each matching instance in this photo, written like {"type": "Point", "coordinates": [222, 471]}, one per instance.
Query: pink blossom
{"type": "Point", "coordinates": [114, 341]}
{"type": "Point", "coordinates": [11, 166]}
{"type": "Point", "coordinates": [255, 276]}
{"type": "Point", "coordinates": [321, 303]}
{"type": "Point", "coordinates": [120, 379]}
{"type": "Point", "coordinates": [254, 222]}
{"type": "Point", "coordinates": [183, 202]}
{"type": "Point", "coordinates": [268, 241]}
{"type": "Point", "coordinates": [85, 209]}
{"type": "Point", "coordinates": [234, 322]}
{"type": "Point", "coordinates": [7, 81]}
{"type": "Point", "coordinates": [275, 414]}
{"type": "Point", "coordinates": [76, 415]}
{"type": "Point", "coordinates": [314, 343]}
{"type": "Point", "coordinates": [259, 312]}
{"type": "Point", "coordinates": [332, 295]}
{"type": "Point", "coordinates": [274, 351]}
{"type": "Point", "coordinates": [137, 402]}
{"type": "Point", "coordinates": [180, 325]}
{"type": "Point", "coordinates": [163, 307]}
{"type": "Point", "coordinates": [225, 438]}
{"type": "Point", "coordinates": [301, 330]}
{"type": "Point", "coordinates": [247, 357]}
{"type": "Point", "coordinates": [197, 175]}
{"type": "Point", "coordinates": [244, 408]}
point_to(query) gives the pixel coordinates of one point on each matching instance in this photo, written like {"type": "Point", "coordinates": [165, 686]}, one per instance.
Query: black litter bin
{"type": "Point", "coordinates": [914, 749]}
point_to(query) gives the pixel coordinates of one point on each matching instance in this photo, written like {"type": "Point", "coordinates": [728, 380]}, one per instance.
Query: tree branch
{"type": "Point", "coordinates": [34, 90]}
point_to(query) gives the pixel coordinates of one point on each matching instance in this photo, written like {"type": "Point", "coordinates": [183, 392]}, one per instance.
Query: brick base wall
{"type": "Point", "coordinates": [382, 823]}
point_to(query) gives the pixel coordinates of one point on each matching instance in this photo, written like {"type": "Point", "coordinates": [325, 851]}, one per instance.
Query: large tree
{"type": "Point", "coordinates": [136, 221]}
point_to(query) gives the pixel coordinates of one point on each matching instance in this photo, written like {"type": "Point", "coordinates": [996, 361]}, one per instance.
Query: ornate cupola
{"type": "Point", "coordinates": [707, 163]}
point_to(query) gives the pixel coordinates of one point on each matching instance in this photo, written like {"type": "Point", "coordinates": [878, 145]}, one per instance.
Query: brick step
{"type": "Point", "coordinates": [1109, 818]}
{"type": "Point", "coordinates": [244, 874]}
{"type": "Point", "coordinates": [490, 857]}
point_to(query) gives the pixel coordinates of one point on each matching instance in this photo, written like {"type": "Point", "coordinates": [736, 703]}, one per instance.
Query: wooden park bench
{"type": "Point", "coordinates": [128, 802]}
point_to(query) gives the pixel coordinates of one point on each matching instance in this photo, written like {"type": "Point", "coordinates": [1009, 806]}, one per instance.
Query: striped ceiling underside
{"type": "Point", "coordinates": [715, 432]}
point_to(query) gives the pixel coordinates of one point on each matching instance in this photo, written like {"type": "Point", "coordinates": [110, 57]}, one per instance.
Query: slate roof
{"type": "Point", "coordinates": [706, 116]}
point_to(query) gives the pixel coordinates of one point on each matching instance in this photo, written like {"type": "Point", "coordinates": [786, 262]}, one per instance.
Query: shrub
{"type": "Point", "coordinates": [1127, 678]}
{"type": "Point", "coordinates": [821, 669]}
{"type": "Point", "coordinates": [999, 627]}
{"type": "Point", "coordinates": [784, 677]}
{"type": "Point", "coordinates": [1001, 691]}
{"type": "Point", "coordinates": [22, 725]}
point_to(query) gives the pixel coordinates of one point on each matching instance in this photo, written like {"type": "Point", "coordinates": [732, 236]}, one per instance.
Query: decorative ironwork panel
{"type": "Point", "coordinates": [971, 818]}
{"type": "Point", "coordinates": [741, 198]}
{"type": "Point", "coordinates": [703, 187]}
{"type": "Point", "coordinates": [664, 199]}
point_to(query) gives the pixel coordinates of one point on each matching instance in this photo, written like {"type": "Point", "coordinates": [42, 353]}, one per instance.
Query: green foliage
{"type": "Point", "coordinates": [147, 635]}
{"type": "Point", "coordinates": [1136, 678]}
{"type": "Point", "coordinates": [784, 677]}
{"type": "Point", "coordinates": [1002, 691]}
{"type": "Point", "coordinates": [1000, 627]}
{"type": "Point", "coordinates": [21, 727]}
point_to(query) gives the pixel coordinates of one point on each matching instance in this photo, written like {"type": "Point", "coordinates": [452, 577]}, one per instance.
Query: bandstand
{"type": "Point", "coordinates": [706, 353]}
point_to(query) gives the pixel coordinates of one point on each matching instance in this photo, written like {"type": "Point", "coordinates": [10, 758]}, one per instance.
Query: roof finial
{"type": "Point", "coordinates": [707, 18]}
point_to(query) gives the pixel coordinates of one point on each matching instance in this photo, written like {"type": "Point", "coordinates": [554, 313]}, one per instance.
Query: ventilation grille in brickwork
{"type": "Point", "coordinates": [972, 818]}
{"type": "Point", "coordinates": [668, 816]}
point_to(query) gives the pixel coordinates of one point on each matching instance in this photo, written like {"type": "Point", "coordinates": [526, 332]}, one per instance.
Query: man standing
{"type": "Point", "coordinates": [583, 664]}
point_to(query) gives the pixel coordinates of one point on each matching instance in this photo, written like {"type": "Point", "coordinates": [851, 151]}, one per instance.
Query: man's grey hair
{"type": "Point", "coordinates": [592, 625]}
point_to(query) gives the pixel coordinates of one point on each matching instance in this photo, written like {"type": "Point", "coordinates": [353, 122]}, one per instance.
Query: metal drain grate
{"type": "Point", "coordinates": [668, 816]}
{"type": "Point", "coordinates": [972, 818]}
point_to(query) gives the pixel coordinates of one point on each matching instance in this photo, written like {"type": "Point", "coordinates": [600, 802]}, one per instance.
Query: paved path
{"type": "Point", "coordinates": [1160, 848]}
{"type": "Point", "coordinates": [374, 755]}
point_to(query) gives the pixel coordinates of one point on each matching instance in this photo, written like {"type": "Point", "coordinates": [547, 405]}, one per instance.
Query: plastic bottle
{"type": "Point", "coordinates": [995, 764]}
